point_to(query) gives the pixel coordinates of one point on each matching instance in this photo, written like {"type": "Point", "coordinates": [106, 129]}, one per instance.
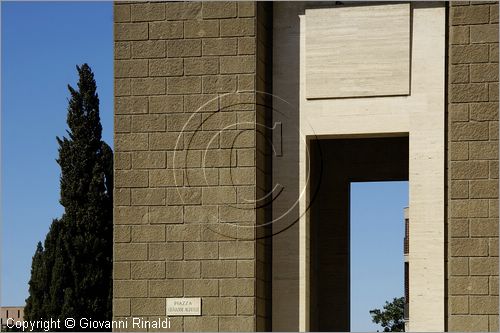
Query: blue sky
{"type": "Point", "coordinates": [41, 44]}
{"type": "Point", "coordinates": [377, 231]}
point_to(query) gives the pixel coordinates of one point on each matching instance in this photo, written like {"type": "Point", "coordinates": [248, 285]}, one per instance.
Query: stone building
{"type": "Point", "coordinates": [10, 315]}
{"type": "Point", "coordinates": [239, 127]}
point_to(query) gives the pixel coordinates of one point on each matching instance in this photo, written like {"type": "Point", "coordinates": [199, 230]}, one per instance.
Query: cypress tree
{"type": "Point", "coordinates": [71, 274]}
{"type": "Point", "coordinates": [34, 308]}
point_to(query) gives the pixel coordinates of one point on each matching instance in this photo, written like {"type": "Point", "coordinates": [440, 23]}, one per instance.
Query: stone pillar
{"type": "Point", "coordinates": [473, 167]}
{"type": "Point", "coordinates": [186, 162]}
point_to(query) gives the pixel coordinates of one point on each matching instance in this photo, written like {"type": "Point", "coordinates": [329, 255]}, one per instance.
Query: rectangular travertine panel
{"type": "Point", "coordinates": [358, 51]}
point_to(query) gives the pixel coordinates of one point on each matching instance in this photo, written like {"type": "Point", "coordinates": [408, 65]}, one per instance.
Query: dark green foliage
{"type": "Point", "coordinates": [71, 273]}
{"type": "Point", "coordinates": [37, 285]}
{"type": "Point", "coordinates": [392, 317]}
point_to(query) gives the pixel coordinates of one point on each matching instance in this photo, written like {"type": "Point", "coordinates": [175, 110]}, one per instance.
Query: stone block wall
{"type": "Point", "coordinates": [186, 162]}
{"type": "Point", "coordinates": [472, 154]}
{"type": "Point", "coordinates": [190, 161]}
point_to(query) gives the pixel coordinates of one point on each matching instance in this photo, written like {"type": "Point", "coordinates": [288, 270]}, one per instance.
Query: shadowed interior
{"type": "Point", "coordinates": [335, 163]}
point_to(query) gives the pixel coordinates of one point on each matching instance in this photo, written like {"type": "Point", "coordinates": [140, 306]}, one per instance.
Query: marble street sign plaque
{"type": "Point", "coordinates": [184, 306]}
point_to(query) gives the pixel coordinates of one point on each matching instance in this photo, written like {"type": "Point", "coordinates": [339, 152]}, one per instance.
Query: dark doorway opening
{"type": "Point", "coordinates": [335, 164]}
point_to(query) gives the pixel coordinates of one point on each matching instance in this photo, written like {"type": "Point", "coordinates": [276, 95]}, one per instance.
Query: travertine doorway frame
{"type": "Point", "coordinates": [421, 114]}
